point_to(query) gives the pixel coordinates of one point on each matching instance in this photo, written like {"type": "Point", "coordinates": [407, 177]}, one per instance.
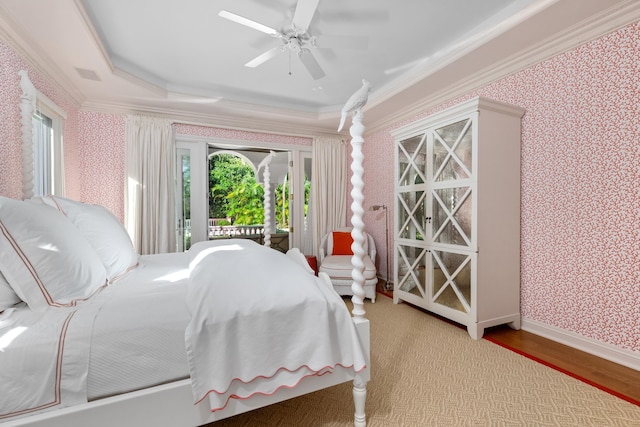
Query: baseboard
{"type": "Point", "coordinates": [628, 358]}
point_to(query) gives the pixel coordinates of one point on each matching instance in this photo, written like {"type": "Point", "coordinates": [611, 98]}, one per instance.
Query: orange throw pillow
{"type": "Point", "coordinates": [342, 242]}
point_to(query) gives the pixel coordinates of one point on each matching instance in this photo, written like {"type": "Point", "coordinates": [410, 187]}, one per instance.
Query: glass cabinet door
{"type": "Point", "coordinates": [452, 184]}
{"type": "Point", "coordinates": [412, 268]}
{"type": "Point", "coordinates": [451, 277]}
{"type": "Point", "coordinates": [411, 194]}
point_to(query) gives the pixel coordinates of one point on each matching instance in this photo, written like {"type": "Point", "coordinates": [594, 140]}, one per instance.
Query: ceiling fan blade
{"type": "Point", "coordinates": [249, 23]}
{"type": "Point", "coordinates": [261, 59]}
{"type": "Point", "coordinates": [342, 42]}
{"type": "Point", "coordinates": [305, 9]}
{"type": "Point", "coordinates": [310, 63]}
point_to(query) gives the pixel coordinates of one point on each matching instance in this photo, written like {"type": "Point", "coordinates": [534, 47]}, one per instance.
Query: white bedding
{"type": "Point", "coordinates": [265, 321]}
{"type": "Point", "coordinates": [43, 359]}
{"type": "Point", "coordinates": [114, 343]}
{"type": "Point", "coordinates": [145, 341]}
{"type": "Point", "coordinates": [131, 334]}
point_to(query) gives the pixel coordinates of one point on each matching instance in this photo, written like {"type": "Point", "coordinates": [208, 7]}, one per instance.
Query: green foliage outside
{"type": "Point", "coordinates": [235, 194]}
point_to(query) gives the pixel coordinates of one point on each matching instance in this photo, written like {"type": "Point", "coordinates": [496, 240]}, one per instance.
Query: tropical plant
{"type": "Point", "coordinates": [234, 192]}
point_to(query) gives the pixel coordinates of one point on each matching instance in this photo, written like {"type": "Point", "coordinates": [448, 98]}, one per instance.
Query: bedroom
{"type": "Point", "coordinates": [580, 88]}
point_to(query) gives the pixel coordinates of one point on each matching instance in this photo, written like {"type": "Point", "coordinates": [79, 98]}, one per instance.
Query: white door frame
{"type": "Point", "coordinates": [198, 147]}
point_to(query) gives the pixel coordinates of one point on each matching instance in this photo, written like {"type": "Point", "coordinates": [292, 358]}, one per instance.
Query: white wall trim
{"type": "Point", "coordinates": [239, 144]}
{"type": "Point", "coordinates": [598, 26]}
{"type": "Point", "coordinates": [628, 358]}
{"type": "Point", "coordinates": [44, 66]}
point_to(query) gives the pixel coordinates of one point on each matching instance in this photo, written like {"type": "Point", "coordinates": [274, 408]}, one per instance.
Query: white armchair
{"type": "Point", "coordinates": [335, 260]}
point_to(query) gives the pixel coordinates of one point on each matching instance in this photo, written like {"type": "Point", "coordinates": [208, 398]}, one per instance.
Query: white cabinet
{"type": "Point", "coordinates": [457, 214]}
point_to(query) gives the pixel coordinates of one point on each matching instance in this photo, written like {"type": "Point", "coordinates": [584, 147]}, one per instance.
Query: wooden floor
{"type": "Point", "coordinates": [617, 379]}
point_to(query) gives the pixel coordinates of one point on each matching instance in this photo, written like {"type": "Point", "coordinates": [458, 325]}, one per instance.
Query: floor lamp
{"type": "Point", "coordinates": [388, 286]}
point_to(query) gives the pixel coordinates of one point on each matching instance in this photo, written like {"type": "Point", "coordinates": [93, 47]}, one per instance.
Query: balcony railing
{"type": "Point", "coordinates": [279, 241]}
{"type": "Point", "coordinates": [235, 230]}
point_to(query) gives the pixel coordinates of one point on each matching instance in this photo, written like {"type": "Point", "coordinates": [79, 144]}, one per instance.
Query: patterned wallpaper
{"type": "Point", "coordinates": [10, 133]}
{"type": "Point", "coordinates": [102, 160]}
{"type": "Point", "coordinates": [580, 178]}
{"type": "Point", "coordinates": [102, 154]}
{"type": "Point", "coordinates": [580, 186]}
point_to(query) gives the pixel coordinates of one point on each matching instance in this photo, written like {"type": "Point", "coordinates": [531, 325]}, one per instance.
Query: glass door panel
{"type": "Point", "coordinates": [412, 264]}
{"type": "Point", "coordinates": [183, 199]}
{"type": "Point", "coordinates": [451, 278]}
{"type": "Point", "coordinates": [412, 155]}
{"type": "Point", "coordinates": [452, 151]}
{"type": "Point", "coordinates": [411, 215]}
{"type": "Point", "coordinates": [452, 210]}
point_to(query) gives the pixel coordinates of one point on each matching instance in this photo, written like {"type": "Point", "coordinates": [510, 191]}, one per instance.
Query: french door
{"type": "Point", "coordinates": [192, 192]}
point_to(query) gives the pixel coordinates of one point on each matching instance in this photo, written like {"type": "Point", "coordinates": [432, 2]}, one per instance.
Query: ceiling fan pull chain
{"type": "Point", "coordinates": [289, 61]}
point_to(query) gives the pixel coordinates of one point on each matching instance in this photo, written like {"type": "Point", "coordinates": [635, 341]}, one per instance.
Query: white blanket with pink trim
{"type": "Point", "coordinates": [261, 322]}
{"type": "Point", "coordinates": [43, 359]}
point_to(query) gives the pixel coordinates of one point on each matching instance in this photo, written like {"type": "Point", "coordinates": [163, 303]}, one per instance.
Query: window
{"type": "Point", "coordinates": [48, 164]}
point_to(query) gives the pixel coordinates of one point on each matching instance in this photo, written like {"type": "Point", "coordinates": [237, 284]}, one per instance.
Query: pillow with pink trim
{"type": "Point", "coordinates": [44, 257]}
{"type": "Point", "coordinates": [8, 297]}
{"type": "Point", "coordinates": [103, 230]}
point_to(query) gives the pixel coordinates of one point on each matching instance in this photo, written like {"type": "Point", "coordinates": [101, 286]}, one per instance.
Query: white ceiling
{"type": "Point", "coordinates": [181, 58]}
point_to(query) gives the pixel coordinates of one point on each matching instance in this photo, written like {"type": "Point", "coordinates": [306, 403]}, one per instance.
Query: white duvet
{"type": "Point", "coordinates": [253, 321]}
{"type": "Point", "coordinates": [260, 322]}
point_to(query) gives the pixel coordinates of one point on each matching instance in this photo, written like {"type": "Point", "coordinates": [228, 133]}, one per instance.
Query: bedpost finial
{"type": "Point", "coordinates": [355, 102]}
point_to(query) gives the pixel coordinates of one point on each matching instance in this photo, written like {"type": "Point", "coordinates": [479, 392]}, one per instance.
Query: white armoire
{"type": "Point", "coordinates": [457, 214]}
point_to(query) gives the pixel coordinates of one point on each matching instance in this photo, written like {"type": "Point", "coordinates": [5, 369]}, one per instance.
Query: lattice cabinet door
{"type": "Point", "coordinates": [411, 221]}
{"type": "Point", "coordinates": [457, 214]}
{"type": "Point", "coordinates": [452, 190]}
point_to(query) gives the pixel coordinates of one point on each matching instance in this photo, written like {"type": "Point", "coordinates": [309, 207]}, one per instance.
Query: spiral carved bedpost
{"type": "Point", "coordinates": [267, 197]}
{"type": "Point", "coordinates": [357, 260]}
{"type": "Point", "coordinates": [27, 107]}
{"type": "Point", "coordinates": [354, 105]}
{"type": "Point", "coordinates": [357, 233]}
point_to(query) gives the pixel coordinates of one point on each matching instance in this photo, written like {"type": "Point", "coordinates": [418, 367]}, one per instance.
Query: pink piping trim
{"type": "Point", "coordinates": [58, 380]}
{"type": "Point", "coordinates": [34, 274]}
{"type": "Point", "coordinates": [317, 373]}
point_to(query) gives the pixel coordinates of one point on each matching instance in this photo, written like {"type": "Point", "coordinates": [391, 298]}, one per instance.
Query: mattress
{"type": "Point", "coordinates": [138, 334]}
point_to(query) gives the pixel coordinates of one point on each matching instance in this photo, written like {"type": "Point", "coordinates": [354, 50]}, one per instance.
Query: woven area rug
{"type": "Point", "coordinates": [427, 372]}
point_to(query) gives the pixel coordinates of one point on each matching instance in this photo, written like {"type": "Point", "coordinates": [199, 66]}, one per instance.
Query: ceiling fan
{"type": "Point", "coordinates": [295, 38]}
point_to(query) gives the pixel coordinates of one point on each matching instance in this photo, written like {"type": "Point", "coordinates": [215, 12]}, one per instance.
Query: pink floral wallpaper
{"type": "Point", "coordinates": [10, 133]}
{"type": "Point", "coordinates": [580, 178]}
{"type": "Point", "coordinates": [102, 160]}
{"type": "Point", "coordinates": [101, 157]}
{"type": "Point", "coordinates": [580, 187]}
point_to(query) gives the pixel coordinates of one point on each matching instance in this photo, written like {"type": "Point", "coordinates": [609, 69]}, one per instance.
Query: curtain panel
{"type": "Point", "coordinates": [328, 187]}
{"type": "Point", "coordinates": [150, 184]}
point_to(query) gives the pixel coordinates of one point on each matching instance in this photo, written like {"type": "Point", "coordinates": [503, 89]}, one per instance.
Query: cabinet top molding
{"type": "Point", "coordinates": [478, 103]}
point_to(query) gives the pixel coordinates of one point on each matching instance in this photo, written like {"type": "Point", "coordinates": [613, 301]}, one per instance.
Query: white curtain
{"type": "Point", "coordinates": [328, 187]}
{"type": "Point", "coordinates": [150, 184]}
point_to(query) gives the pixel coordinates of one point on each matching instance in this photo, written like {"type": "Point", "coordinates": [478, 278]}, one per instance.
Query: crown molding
{"type": "Point", "coordinates": [36, 58]}
{"type": "Point", "coordinates": [599, 25]}
{"type": "Point", "coordinates": [462, 48]}
{"type": "Point", "coordinates": [224, 121]}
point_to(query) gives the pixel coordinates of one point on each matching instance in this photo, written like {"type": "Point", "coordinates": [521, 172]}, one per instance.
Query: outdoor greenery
{"type": "Point", "coordinates": [235, 194]}
{"type": "Point", "coordinates": [236, 197]}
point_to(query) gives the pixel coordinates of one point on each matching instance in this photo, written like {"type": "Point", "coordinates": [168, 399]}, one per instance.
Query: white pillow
{"type": "Point", "coordinates": [45, 259]}
{"type": "Point", "coordinates": [104, 232]}
{"type": "Point", "coordinates": [8, 297]}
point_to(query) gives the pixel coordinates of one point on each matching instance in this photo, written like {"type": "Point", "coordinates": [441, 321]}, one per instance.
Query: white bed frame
{"type": "Point", "coordinates": [172, 404]}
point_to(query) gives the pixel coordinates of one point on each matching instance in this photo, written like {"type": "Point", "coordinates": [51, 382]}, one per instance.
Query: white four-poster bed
{"type": "Point", "coordinates": [172, 403]}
